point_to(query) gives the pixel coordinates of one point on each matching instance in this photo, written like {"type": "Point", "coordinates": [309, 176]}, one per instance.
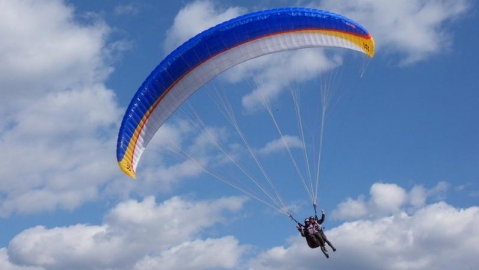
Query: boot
{"type": "Point", "coordinates": [325, 251]}
{"type": "Point", "coordinates": [331, 245]}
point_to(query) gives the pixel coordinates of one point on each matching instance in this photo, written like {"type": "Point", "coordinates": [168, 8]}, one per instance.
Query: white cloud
{"type": "Point", "coordinates": [351, 209]}
{"type": "Point", "coordinates": [388, 199]}
{"type": "Point", "coordinates": [5, 264]}
{"type": "Point", "coordinates": [273, 74]}
{"type": "Point", "coordinates": [435, 236]}
{"type": "Point", "coordinates": [223, 253]}
{"type": "Point", "coordinates": [142, 232]}
{"type": "Point", "coordinates": [44, 50]}
{"type": "Point", "coordinates": [78, 246]}
{"type": "Point", "coordinates": [148, 235]}
{"type": "Point", "coordinates": [58, 123]}
{"type": "Point", "coordinates": [417, 196]}
{"type": "Point", "coordinates": [195, 18]}
{"type": "Point", "coordinates": [415, 29]}
{"type": "Point", "coordinates": [59, 151]}
{"type": "Point", "coordinates": [178, 219]}
{"type": "Point", "coordinates": [439, 191]}
{"type": "Point", "coordinates": [281, 144]}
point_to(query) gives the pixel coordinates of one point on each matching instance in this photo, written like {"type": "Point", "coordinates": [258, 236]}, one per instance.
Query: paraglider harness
{"type": "Point", "coordinates": [312, 242]}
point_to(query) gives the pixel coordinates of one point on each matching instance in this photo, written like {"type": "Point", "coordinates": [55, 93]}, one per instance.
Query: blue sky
{"type": "Point", "coordinates": [400, 165]}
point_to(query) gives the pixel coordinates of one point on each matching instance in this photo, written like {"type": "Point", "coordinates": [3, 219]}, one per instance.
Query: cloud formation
{"type": "Point", "coordinates": [386, 198]}
{"type": "Point", "coordinates": [432, 236]}
{"type": "Point", "coordinates": [147, 235]}
{"type": "Point", "coordinates": [281, 145]}
{"type": "Point", "coordinates": [196, 17]}
{"type": "Point", "coordinates": [135, 235]}
{"type": "Point", "coordinates": [415, 30]}
{"type": "Point", "coordinates": [58, 118]}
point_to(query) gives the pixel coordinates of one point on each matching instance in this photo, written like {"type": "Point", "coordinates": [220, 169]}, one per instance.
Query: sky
{"type": "Point", "coordinates": [399, 171]}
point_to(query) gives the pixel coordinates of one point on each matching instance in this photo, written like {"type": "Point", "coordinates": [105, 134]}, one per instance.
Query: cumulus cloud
{"type": "Point", "coordinates": [195, 18]}
{"type": "Point", "coordinates": [44, 50]}
{"type": "Point", "coordinates": [142, 233]}
{"type": "Point", "coordinates": [281, 144]}
{"type": "Point", "coordinates": [433, 236]}
{"type": "Point", "coordinates": [5, 264]}
{"type": "Point", "coordinates": [273, 74]}
{"type": "Point", "coordinates": [223, 253]}
{"type": "Point", "coordinates": [415, 30]}
{"type": "Point", "coordinates": [148, 235]}
{"type": "Point", "coordinates": [385, 199]}
{"type": "Point", "coordinates": [58, 119]}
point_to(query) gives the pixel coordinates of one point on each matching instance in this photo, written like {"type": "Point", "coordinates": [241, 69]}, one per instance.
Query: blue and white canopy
{"type": "Point", "coordinates": [219, 48]}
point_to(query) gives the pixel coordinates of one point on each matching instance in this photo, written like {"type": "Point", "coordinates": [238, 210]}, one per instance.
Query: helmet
{"type": "Point", "coordinates": [306, 220]}
{"type": "Point", "coordinates": [311, 218]}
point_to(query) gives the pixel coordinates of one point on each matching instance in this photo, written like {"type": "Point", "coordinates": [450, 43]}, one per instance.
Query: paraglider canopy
{"type": "Point", "coordinates": [219, 48]}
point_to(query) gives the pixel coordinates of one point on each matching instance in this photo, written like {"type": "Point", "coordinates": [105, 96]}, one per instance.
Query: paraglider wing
{"type": "Point", "coordinates": [213, 51]}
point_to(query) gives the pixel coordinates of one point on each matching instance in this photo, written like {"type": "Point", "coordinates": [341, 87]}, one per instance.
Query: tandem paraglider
{"type": "Point", "coordinates": [314, 234]}
{"type": "Point", "coordinates": [196, 62]}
